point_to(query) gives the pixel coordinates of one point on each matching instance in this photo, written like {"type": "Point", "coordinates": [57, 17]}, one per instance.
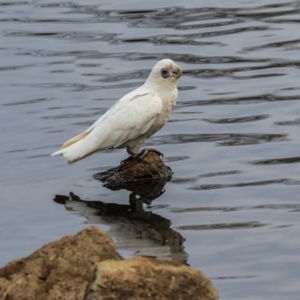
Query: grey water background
{"type": "Point", "coordinates": [232, 141]}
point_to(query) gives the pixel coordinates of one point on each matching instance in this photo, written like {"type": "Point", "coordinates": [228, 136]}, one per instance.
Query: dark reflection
{"type": "Point", "coordinates": [13, 3]}
{"type": "Point", "coordinates": [30, 101]}
{"type": "Point", "coordinates": [241, 225]}
{"type": "Point", "coordinates": [286, 181]}
{"type": "Point", "coordinates": [220, 173]}
{"type": "Point", "coordinates": [289, 123]}
{"type": "Point", "coordinates": [231, 72]}
{"type": "Point", "coordinates": [274, 45]}
{"type": "Point", "coordinates": [230, 139]}
{"type": "Point", "coordinates": [291, 207]}
{"type": "Point", "coordinates": [277, 161]}
{"type": "Point", "coordinates": [126, 76]}
{"type": "Point", "coordinates": [194, 179]}
{"type": "Point", "coordinates": [175, 158]}
{"type": "Point", "coordinates": [170, 17]}
{"type": "Point", "coordinates": [215, 72]}
{"type": "Point", "coordinates": [237, 120]}
{"type": "Point", "coordinates": [239, 100]}
{"type": "Point", "coordinates": [137, 12]}
{"type": "Point", "coordinates": [82, 87]}
{"type": "Point", "coordinates": [135, 229]}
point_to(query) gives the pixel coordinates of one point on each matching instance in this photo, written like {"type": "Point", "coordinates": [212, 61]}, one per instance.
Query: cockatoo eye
{"type": "Point", "coordinates": [165, 73]}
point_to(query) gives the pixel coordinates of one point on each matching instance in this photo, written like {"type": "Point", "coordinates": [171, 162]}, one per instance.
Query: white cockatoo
{"type": "Point", "coordinates": [132, 119]}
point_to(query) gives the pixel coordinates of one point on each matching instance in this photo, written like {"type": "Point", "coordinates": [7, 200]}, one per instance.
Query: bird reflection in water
{"type": "Point", "coordinates": [134, 229]}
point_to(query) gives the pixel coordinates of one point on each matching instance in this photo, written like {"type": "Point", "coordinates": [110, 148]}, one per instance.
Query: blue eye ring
{"type": "Point", "coordinates": [165, 73]}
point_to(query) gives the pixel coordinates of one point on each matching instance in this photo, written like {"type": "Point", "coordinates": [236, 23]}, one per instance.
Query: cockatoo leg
{"type": "Point", "coordinates": [144, 152]}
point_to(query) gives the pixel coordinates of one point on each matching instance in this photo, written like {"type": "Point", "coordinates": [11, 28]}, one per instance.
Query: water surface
{"type": "Point", "coordinates": [232, 206]}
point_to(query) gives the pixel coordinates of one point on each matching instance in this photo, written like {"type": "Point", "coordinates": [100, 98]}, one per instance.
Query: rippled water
{"type": "Point", "coordinates": [232, 207]}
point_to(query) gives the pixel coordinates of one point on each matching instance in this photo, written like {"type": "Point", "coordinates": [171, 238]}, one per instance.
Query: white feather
{"type": "Point", "coordinates": [129, 118]}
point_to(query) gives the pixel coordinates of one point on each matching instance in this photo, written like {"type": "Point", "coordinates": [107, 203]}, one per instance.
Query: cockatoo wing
{"type": "Point", "coordinates": [128, 119]}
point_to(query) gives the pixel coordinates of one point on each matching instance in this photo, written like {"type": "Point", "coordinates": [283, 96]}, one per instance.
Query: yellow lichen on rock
{"type": "Point", "coordinates": [148, 278]}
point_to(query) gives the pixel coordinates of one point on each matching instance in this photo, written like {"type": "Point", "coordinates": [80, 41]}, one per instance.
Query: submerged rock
{"type": "Point", "coordinates": [131, 170]}
{"type": "Point", "coordinates": [87, 266]}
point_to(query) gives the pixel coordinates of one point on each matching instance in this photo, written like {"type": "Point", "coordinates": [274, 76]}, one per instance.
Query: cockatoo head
{"type": "Point", "coordinates": [165, 72]}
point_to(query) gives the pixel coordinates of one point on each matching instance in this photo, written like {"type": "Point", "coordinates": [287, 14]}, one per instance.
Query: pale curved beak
{"type": "Point", "coordinates": [177, 72]}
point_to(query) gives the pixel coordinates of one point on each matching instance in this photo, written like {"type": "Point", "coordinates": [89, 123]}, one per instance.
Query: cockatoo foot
{"type": "Point", "coordinates": [144, 152]}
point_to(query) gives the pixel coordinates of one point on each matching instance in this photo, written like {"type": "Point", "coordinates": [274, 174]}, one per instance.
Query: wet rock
{"type": "Point", "coordinates": [86, 266]}
{"type": "Point", "coordinates": [60, 270]}
{"type": "Point", "coordinates": [142, 278]}
{"type": "Point", "coordinates": [135, 170]}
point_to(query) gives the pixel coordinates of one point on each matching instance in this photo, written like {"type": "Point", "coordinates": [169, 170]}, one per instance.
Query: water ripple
{"type": "Point", "coordinates": [276, 161]}
{"type": "Point", "coordinates": [290, 207]}
{"type": "Point", "coordinates": [241, 225]}
{"type": "Point", "coordinates": [255, 99]}
{"type": "Point", "coordinates": [64, 63]}
{"type": "Point", "coordinates": [237, 120]}
{"type": "Point", "coordinates": [286, 181]}
{"type": "Point", "coordinates": [230, 139]}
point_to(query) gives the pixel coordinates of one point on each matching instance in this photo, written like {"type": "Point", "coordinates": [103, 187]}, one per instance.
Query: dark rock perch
{"type": "Point", "coordinates": [151, 167]}
{"type": "Point", "coordinates": [87, 266]}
